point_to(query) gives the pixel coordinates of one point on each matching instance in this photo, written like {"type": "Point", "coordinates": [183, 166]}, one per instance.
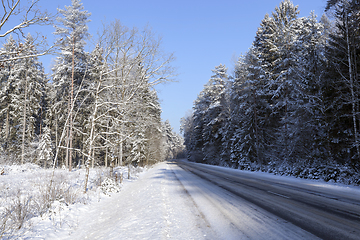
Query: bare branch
{"type": "Point", "coordinates": [31, 16]}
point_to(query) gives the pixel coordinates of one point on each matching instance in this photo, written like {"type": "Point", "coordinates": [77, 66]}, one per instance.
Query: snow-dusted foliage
{"type": "Point", "coordinates": [109, 185]}
{"type": "Point", "coordinates": [294, 100]}
{"type": "Point", "coordinates": [174, 143]}
{"type": "Point", "coordinates": [23, 91]}
{"type": "Point", "coordinates": [45, 148]}
{"type": "Point", "coordinates": [210, 113]}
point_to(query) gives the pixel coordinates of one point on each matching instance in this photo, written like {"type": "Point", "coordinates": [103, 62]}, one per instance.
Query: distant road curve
{"type": "Point", "coordinates": [328, 213]}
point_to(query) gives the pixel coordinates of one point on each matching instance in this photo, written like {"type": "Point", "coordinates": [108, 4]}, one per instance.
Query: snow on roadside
{"type": "Point", "coordinates": [154, 207]}
{"type": "Point", "coordinates": [31, 209]}
{"type": "Point", "coordinates": [318, 184]}
{"type": "Point", "coordinates": [157, 204]}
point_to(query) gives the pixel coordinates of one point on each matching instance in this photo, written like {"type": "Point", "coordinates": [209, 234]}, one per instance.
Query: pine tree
{"type": "Point", "coordinates": [70, 71]}
{"type": "Point", "coordinates": [187, 129]}
{"type": "Point", "coordinates": [195, 150]}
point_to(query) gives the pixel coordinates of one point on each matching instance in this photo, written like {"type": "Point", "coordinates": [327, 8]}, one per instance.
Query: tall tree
{"type": "Point", "coordinates": [278, 45]}
{"type": "Point", "coordinates": [249, 112]}
{"type": "Point", "coordinates": [27, 101]}
{"type": "Point", "coordinates": [124, 107]}
{"type": "Point", "coordinates": [342, 86]}
{"type": "Point", "coordinates": [7, 88]}
{"type": "Point", "coordinates": [23, 91]}
{"type": "Point", "coordinates": [210, 113]}
{"type": "Point", "coordinates": [69, 72]}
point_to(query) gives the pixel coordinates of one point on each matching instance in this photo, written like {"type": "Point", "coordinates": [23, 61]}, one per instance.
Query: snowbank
{"type": "Point", "coordinates": [37, 202]}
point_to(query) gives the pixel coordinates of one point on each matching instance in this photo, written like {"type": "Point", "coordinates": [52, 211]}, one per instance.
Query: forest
{"type": "Point", "coordinates": [291, 106]}
{"type": "Point", "coordinates": [97, 108]}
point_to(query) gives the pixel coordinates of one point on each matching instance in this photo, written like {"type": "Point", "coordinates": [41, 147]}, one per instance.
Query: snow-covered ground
{"type": "Point", "coordinates": [34, 207]}
{"type": "Point", "coordinates": [164, 202]}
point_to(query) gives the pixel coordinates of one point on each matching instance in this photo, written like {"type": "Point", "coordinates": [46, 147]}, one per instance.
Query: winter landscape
{"type": "Point", "coordinates": [270, 150]}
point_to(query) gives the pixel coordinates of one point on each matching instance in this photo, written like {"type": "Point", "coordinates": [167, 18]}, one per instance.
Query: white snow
{"type": "Point", "coordinates": [163, 202]}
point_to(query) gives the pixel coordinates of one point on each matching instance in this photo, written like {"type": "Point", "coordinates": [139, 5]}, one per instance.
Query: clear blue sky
{"type": "Point", "coordinates": [202, 34]}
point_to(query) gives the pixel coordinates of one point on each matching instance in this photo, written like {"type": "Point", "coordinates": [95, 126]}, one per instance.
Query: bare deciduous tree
{"type": "Point", "coordinates": [18, 15]}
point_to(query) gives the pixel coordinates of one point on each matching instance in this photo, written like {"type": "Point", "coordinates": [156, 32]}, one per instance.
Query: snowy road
{"type": "Point", "coordinates": [170, 202]}
{"type": "Point", "coordinates": [325, 210]}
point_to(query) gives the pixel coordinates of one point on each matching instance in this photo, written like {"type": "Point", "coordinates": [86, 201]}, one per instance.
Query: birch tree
{"type": "Point", "coordinates": [131, 64]}
{"type": "Point", "coordinates": [342, 93]}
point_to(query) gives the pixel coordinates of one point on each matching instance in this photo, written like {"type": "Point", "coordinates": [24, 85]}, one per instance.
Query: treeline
{"type": "Point", "coordinates": [96, 108]}
{"type": "Point", "coordinates": [292, 103]}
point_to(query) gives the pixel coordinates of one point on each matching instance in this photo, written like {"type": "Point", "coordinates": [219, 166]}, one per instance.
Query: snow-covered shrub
{"type": "Point", "coordinates": [109, 186]}
{"type": "Point", "coordinates": [15, 215]}
{"type": "Point", "coordinates": [137, 170]}
{"type": "Point", "coordinates": [20, 210]}
{"type": "Point", "coordinates": [55, 212]}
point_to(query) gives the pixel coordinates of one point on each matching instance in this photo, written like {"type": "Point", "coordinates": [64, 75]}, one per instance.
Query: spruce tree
{"type": "Point", "coordinates": [24, 92]}
{"type": "Point", "coordinates": [6, 90]}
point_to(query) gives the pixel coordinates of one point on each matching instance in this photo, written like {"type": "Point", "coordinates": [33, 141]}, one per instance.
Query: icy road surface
{"type": "Point", "coordinates": [168, 202]}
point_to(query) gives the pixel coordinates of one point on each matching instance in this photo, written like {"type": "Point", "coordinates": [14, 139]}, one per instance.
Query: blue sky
{"type": "Point", "coordinates": [201, 34]}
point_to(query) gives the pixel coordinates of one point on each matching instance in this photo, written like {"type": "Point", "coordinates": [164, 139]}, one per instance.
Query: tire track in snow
{"type": "Point", "coordinates": [183, 216]}
{"type": "Point", "coordinates": [235, 218]}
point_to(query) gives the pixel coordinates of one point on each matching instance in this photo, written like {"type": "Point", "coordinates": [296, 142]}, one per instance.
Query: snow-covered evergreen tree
{"type": "Point", "coordinates": [24, 92]}
{"type": "Point", "coordinates": [216, 114]}
{"type": "Point", "coordinates": [278, 42]}
{"type": "Point", "coordinates": [6, 90]}
{"type": "Point", "coordinates": [341, 89]}
{"type": "Point", "coordinates": [45, 148]}
{"type": "Point", "coordinates": [249, 113]}
{"type": "Point", "coordinates": [70, 73]}
{"type": "Point", "coordinates": [211, 111]}
{"type": "Point", "coordinates": [311, 129]}
{"type": "Point", "coordinates": [187, 129]}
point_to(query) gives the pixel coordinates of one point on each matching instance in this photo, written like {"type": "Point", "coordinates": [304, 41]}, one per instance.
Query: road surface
{"type": "Point", "coordinates": [183, 200]}
{"type": "Point", "coordinates": [327, 213]}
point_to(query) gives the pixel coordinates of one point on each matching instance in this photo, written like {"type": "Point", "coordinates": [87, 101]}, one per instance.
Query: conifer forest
{"type": "Point", "coordinates": [96, 108]}
{"type": "Point", "coordinates": [291, 106]}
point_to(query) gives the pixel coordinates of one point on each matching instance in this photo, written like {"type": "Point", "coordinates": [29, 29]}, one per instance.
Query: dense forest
{"type": "Point", "coordinates": [96, 108]}
{"type": "Point", "coordinates": [291, 106]}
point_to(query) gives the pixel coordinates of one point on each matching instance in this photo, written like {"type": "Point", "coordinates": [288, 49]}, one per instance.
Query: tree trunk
{"type": "Point", "coordinates": [121, 153]}
{"type": "Point", "coordinates": [24, 122]}
{"type": "Point", "coordinates": [92, 136]}
{"type": "Point", "coordinates": [351, 78]}
{"type": "Point", "coordinates": [72, 104]}
{"type": "Point", "coordinates": [7, 127]}
{"type": "Point", "coordinates": [106, 157]}
{"type": "Point", "coordinates": [67, 135]}
{"type": "Point", "coordinates": [92, 158]}
{"type": "Point", "coordinates": [259, 159]}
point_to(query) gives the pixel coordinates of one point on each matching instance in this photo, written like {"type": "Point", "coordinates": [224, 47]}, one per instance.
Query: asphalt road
{"type": "Point", "coordinates": [328, 213]}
